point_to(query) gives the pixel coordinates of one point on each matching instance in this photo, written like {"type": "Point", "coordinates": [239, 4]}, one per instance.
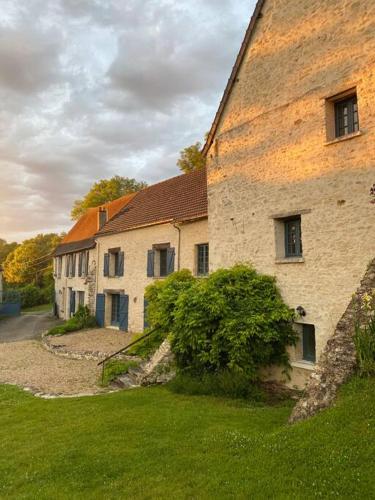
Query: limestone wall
{"type": "Point", "coordinates": [272, 156]}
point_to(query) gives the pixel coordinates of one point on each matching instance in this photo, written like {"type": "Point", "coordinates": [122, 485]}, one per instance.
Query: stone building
{"type": "Point", "coordinates": [162, 229]}
{"type": "Point", "coordinates": [76, 257]}
{"type": "Point", "coordinates": [291, 160]}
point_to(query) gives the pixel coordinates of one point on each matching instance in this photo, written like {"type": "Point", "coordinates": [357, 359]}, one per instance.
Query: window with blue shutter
{"type": "Point", "coordinates": [106, 264]}
{"type": "Point", "coordinates": [124, 312]}
{"type": "Point", "coordinates": [150, 263]}
{"type": "Point", "coordinates": [170, 260]}
{"type": "Point", "coordinates": [100, 309]}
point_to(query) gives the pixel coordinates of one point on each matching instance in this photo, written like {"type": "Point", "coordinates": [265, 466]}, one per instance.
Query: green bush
{"type": "Point", "coordinates": [82, 319]}
{"type": "Point", "coordinates": [225, 384]}
{"type": "Point", "coordinates": [115, 368]}
{"type": "Point", "coordinates": [234, 320]}
{"type": "Point", "coordinates": [31, 296]}
{"type": "Point", "coordinates": [145, 348]}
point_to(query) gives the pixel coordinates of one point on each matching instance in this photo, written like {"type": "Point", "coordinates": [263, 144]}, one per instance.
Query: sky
{"type": "Point", "coordinates": [95, 88]}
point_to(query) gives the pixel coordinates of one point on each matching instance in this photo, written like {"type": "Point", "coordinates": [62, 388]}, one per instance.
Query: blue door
{"type": "Point", "coordinates": [115, 315]}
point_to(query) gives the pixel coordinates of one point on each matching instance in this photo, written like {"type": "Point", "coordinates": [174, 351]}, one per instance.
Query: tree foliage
{"type": "Point", "coordinates": [31, 262]}
{"type": "Point", "coordinates": [191, 158]}
{"type": "Point", "coordinates": [104, 191]}
{"type": "Point", "coordinates": [233, 320]}
{"type": "Point", "coordinates": [6, 249]}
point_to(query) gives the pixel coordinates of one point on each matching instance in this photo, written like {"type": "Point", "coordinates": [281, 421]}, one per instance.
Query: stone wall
{"type": "Point", "coordinates": [338, 360]}
{"type": "Point", "coordinates": [272, 157]}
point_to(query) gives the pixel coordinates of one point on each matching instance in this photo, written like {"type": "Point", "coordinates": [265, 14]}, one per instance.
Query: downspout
{"type": "Point", "coordinates": [176, 226]}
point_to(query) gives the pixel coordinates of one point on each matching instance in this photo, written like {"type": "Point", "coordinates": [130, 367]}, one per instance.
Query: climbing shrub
{"type": "Point", "coordinates": [234, 320]}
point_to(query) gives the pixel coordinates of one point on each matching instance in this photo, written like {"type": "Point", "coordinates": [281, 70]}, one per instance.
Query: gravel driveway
{"type": "Point", "coordinates": [27, 364]}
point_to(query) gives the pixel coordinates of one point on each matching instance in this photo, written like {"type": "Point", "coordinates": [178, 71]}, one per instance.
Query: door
{"type": "Point", "coordinates": [115, 316]}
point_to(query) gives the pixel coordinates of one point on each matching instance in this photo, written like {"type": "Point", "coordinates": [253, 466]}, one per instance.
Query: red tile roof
{"type": "Point", "coordinates": [181, 198]}
{"type": "Point", "coordinates": [81, 236]}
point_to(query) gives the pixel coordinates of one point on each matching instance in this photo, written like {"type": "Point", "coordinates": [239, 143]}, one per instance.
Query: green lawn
{"type": "Point", "coordinates": [151, 443]}
{"type": "Point", "coordinates": [40, 308]}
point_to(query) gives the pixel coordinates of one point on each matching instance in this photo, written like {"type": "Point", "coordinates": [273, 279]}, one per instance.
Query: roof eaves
{"type": "Point", "coordinates": [232, 79]}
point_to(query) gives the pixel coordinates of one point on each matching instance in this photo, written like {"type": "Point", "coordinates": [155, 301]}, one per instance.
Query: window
{"type": "Point", "coordinates": [81, 298]}
{"type": "Point", "coordinates": [160, 261]}
{"type": "Point", "coordinates": [346, 116]}
{"type": "Point", "coordinates": [114, 263]}
{"type": "Point", "coordinates": [163, 262]}
{"type": "Point", "coordinates": [202, 259]}
{"type": "Point", "coordinates": [293, 237]}
{"type": "Point", "coordinates": [308, 343]}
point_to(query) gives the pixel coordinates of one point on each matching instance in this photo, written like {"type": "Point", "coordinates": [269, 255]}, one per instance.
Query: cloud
{"type": "Point", "coordinates": [94, 88]}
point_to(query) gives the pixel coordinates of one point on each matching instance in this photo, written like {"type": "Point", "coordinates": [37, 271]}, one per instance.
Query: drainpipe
{"type": "Point", "coordinates": [176, 226]}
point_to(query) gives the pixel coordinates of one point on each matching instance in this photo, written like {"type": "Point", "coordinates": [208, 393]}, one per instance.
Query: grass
{"type": "Point", "coordinates": [114, 368]}
{"type": "Point", "coordinates": [151, 443]}
{"type": "Point", "coordinates": [40, 308]}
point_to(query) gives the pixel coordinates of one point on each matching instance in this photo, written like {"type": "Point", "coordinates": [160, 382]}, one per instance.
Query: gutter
{"type": "Point", "coordinates": [176, 226]}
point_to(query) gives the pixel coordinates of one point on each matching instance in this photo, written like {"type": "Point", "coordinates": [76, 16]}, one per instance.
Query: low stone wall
{"type": "Point", "coordinates": [338, 360]}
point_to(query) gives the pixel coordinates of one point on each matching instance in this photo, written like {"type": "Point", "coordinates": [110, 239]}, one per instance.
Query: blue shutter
{"type": "Point", "coordinates": [80, 257]}
{"type": "Point", "coordinates": [170, 260]}
{"type": "Point", "coordinates": [121, 263]}
{"type": "Point", "coordinates": [150, 263]}
{"type": "Point", "coordinates": [145, 319]}
{"type": "Point", "coordinates": [73, 265]}
{"type": "Point", "coordinates": [124, 312]}
{"type": "Point", "coordinates": [106, 264]}
{"type": "Point", "coordinates": [100, 309]}
{"type": "Point", "coordinates": [67, 261]}
{"type": "Point", "coordinates": [72, 302]}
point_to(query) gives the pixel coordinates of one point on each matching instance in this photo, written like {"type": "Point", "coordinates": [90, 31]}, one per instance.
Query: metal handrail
{"type": "Point", "coordinates": [124, 349]}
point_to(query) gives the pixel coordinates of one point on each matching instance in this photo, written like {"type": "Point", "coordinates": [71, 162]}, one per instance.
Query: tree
{"type": "Point", "coordinates": [104, 191]}
{"type": "Point", "coordinates": [191, 158]}
{"type": "Point", "coordinates": [31, 262]}
{"type": "Point", "coordinates": [6, 249]}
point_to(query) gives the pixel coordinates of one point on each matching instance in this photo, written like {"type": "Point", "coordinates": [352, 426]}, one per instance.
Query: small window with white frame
{"type": "Point", "coordinates": [342, 115]}
{"type": "Point", "coordinates": [202, 259]}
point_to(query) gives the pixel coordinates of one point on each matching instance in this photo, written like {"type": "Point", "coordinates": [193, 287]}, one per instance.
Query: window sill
{"type": "Point", "coordinates": [290, 260]}
{"type": "Point", "coordinates": [344, 138]}
{"type": "Point", "coordinates": [305, 365]}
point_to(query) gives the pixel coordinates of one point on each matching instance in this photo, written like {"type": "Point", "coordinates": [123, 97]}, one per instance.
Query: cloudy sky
{"type": "Point", "coordinates": [94, 88]}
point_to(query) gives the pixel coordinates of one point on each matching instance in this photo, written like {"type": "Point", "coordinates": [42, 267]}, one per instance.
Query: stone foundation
{"type": "Point", "coordinates": [338, 360]}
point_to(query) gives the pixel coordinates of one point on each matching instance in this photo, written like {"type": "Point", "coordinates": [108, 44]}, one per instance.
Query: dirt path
{"type": "Point", "coordinates": [28, 365]}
